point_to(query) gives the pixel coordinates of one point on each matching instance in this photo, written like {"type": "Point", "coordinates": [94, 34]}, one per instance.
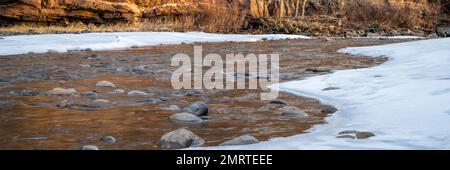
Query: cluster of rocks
{"type": "Point", "coordinates": [183, 138]}
{"type": "Point", "coordinates": [191, 114]}
{"type": "Point", "coordinates": [198, 111]}
{"type": "Point", "coordinates": [180, 138]}
{"type": "Point", "coordinates": [95, 102]}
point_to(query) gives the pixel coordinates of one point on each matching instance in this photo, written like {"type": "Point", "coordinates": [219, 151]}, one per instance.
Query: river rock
{"type": "Point", "coordinates": [173, 107]}
{"type": "Point", "coordinates": [137, 93]}
{"type": "Point", "coordinates": [101, 101]}
{"type": "Point", "coordinates": [89, 147]}
{"type": "Point", "coordinates": [24, 93]}
{"type": "Point", "coordinates": [330, 88]}
{"type": "Point", "coordinates": [186, 118]}
{"type": "Point", "coordinates": [346, 136]}
{"type": "Point", "coordinates": [292, 111]}
{"type": "Point", "coordinates": [122, 69]}
{"type": "Point", "coordinates": [105, 84]}
{"type": "Point", "coordinates": [84, 103]}
{"type": "Point", "coordinates": [355, 134]}
{"type": "Point", "coordinates": [181, 138]}
{"type": "Point", "coordinates": [3, 104]}
{"type": "Point", "coordinates": [151, 100]}
{"type": "Point", "coordinates": [62, 91]}
{"type": "Point", "coordinates": [279, 101]}
{"type": "Point", "coordinates": [241, 140]}
{"type": "Point", "coordinates": [197, 109]}
{"type": "Point", "coordinates": [364, 135]}
{"type": "Point", "coordinates": [89, 93]}
{"type": "Point", "coordinates": [328, 109]}
{"type": "Point", "coordinates": [85, 65]}
{"type": "Point", "coordinates": [109, 139]}
{"type": "Point", "coordinates": [118, 91]}
{"type": "Point", "coordinates": [319, 69]}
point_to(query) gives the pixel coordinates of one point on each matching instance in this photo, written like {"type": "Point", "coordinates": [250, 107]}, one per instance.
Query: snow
{"type": "Point", "coordinates": [404, 101]}
{"type": "Point", "coordinates": [22, 44]}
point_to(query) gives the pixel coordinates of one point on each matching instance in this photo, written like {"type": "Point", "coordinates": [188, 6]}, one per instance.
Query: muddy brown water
{"type": "Point", "coordinates": [29, 119]}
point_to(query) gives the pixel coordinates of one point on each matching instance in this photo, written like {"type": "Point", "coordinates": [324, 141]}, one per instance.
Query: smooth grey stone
{"type": "Point", "coordinates": [241, 140]}
{"type": "Point", "coordinates": [185, 117]}
{"type": "Point", "coordinates": [109, 139]}
{"type": "Point", "coordinates": [181, 138]}
{"type": "Point", "coordinates": [197, 108]}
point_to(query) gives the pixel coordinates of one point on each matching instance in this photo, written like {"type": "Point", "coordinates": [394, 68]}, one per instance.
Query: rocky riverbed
{"type": "Point", "coordinates": [124, 99]}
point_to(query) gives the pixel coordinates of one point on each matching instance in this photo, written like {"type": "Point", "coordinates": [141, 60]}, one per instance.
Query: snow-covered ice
{"type": "Point", "coordinates": [22, 44]}
{"type": "Point", "coordinates": [405, 101]}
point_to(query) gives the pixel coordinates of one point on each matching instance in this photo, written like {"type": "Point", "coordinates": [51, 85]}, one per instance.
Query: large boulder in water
{"type": "Point", "coordinates": [181, 138]}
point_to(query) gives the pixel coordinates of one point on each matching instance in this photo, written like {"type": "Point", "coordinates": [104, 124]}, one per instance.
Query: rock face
{"type": "Point", "coordinates": [181, 138]}
{"type": "Point", "coordinates": [94, 10]}
{"type": "Point", "coordinates": [241, 140]}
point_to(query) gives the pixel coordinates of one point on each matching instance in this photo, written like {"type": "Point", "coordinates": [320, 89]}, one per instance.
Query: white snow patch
{"type": "Point", "coordinates": [22, 44]}
{"type": "Point", "coordinates": [404, 101]}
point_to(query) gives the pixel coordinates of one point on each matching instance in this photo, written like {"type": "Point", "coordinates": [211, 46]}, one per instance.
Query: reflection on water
{"type": "Point", "coordinates": [35, 122]}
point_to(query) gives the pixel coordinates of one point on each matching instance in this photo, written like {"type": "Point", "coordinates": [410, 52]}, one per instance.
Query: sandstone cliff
{"type": "Point", "coordinates": [95, 10]}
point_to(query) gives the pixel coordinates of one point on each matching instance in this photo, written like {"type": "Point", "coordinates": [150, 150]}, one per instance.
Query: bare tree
{"type": "Point", "coordinates": [258, 8]}
{"type": "Point", "coordinates": [296, 8]}
{"type": "Point", "coordinates": [264, 7]}
{"type": "Point", "coordinates": [304, 8]}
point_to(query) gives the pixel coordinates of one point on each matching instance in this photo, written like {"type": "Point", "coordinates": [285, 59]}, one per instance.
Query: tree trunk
{"type": "Point", "coordinates": [296, 8]}
{"type": "Point", "coordinates": [264, 7]}
{"type": "Point", "coordinates": [304, 8]}
{"type": "Point", "coordinates": [258, 8]}
{"type": "Point", "coordinates": [281, 8]}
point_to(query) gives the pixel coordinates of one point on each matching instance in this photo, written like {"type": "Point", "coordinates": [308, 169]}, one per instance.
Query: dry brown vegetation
{"type": "Point", "coordinates": [313, 17]}
{"type": "Point", "coordinates": [338, 17]}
